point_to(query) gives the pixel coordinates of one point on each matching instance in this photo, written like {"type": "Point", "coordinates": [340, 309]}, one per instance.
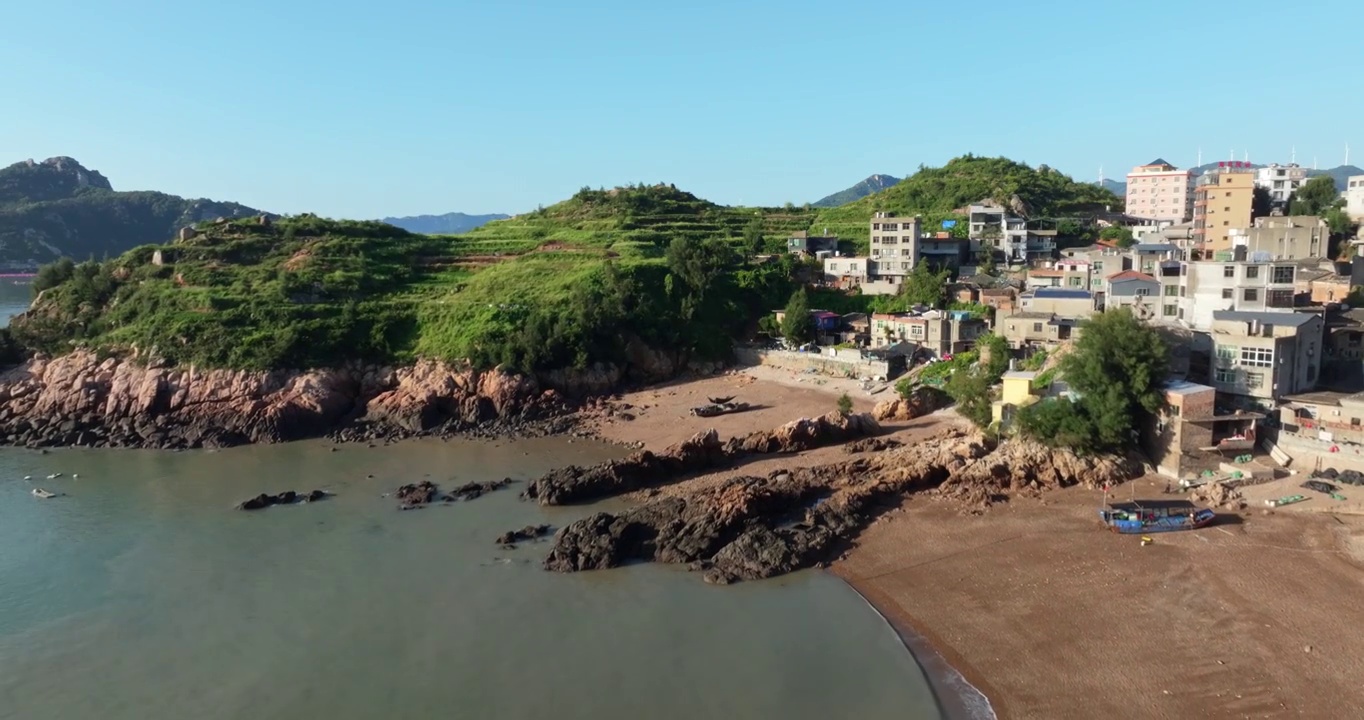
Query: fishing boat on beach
{"type": "Point", "coordinates": [1141, 517]}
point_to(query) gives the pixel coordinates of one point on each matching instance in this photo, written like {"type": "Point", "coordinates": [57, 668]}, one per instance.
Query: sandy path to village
{"type": "Point", "coordinates": [1053, 618]}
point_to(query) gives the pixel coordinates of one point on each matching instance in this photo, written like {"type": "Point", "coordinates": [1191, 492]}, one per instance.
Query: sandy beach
{"type": "Point", "coordinates": [1051, 617]}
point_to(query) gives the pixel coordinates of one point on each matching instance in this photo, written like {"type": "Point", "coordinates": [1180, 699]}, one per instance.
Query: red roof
{"type": "Point", "coordinates": [1130, 275]}
{"type": "Point", "coordinates": [826, 314]}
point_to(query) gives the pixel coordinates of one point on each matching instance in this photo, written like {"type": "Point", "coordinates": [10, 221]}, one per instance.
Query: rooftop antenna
{"type": "Point", "coordinates": [1294, 156]}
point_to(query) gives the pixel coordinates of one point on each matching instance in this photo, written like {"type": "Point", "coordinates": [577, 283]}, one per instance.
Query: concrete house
{"type": "Point", "coordinates": [1045, 278]}
{"type": "Point", "coordinates": [1146, 257]}
{"type": "Point", "coordinates": [1016, 394]}
{"type": "Point", "coordinates": [801, 242]}
{"type": "Point", "coordinates": [1058, 301]}
{"type": "Point", "coordinates": [1294, 237]}
{"type": "Point", "coordinates": [1160, 191]}
{"type": "Point", "coordinates": [941, 332]}
{"type": "Point", "coordinates": [846, 272]}
{"type": "Point", "coordinates": [1189, 434]}
{"type": "Point", "coordinates": [1222, 200]}
{"type": "Point", "coordinates": [1354, 197]}
{"type": "Point", "coordinates": [992, 226]}
{"type": "Point", "coordinates": [1037, 329]}
{"type": "Point", "coordinates": [1135, 291]}
{"type": "Point", "coordinates": [1265, 356]}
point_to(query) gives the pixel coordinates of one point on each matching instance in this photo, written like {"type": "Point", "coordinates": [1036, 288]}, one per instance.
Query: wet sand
{"type": "Point", "coordinates": [1051, 617]}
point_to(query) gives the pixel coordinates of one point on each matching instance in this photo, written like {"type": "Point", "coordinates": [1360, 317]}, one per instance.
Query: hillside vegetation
{"type": "Point", "coordinates": [873, 184]}
{"type": "Point", "coordinates": [57, 208]}
{"type": "Point", "coordinates": [568, 286]}
{"type": "Point", "coordinates": [936, 193]}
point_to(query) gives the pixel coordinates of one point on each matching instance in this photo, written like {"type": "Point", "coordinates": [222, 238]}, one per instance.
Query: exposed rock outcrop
{"type": "Point", "coordinates": [922, 401]}
{"type": "Point", "coordinates": [80, 399]}
{"type": "Point", "coordinates": [527, 533]}
{"type": "Point", "coordinates": [1028, 466]}
{"type": "Point", "coordinates": [757, 527]}
{"type": "Point", "coordinates": [704, 451]}
{"type": "Point", "coordinates": [288, 497]}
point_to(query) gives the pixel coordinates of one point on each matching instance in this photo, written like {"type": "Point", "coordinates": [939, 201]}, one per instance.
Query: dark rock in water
{"type": "Point", "coordinates": [288, 497]}
{"type": "Point", "coordinates": [474, 490]}
{"type": "Point", "coordinates": [758, 527]}
{"type": "Point", "coordinates": [416, 494]}
{"type": "Point", "coordinates": [529, 532]}
{"type": "Point", "coordinates": [702, 452]}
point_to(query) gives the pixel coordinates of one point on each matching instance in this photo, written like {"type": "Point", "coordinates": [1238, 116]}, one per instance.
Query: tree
{"type": "Point", "coordinates": [1119, 235]}
{"type": "Point", "coordinates": [924, 286]}
{"type": "Point", "coordinates": [797, 326]}
{"type": "Point", "coordinates": [1261, 203]}
{"type": "Point", "coordinates": [1117, 368]}
{"type": "Point", "coordinates": [845, 404]}
{"type": "Point", "coordinates": [1315, 197]}
{"type": "Point", "coordinates": [985, 260]}
{"type": "Point", "coordinates": [970, 388]}
{"type": "Point", "coordinates": [698, 262]}
{"type": "Point", "coordinates": [753, 236]}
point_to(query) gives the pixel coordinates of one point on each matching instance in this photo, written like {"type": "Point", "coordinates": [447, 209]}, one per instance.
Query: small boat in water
{"type": "Point", "coordinates": [44, 494]}
{"type": "Point", "coordinates": [1142, 517]}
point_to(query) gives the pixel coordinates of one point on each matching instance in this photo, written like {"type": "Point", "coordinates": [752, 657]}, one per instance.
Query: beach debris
{"type": "Point", "coordinates": [1146, 541]}
{"type": "Point", "coordinates": [28, 477]}
{"type": "Point", "coordinates": [1286, 500]}
{"type": "Point", "coordinates": [1216, 494]}
{"type": "Point", "coordinates": [288, 497]}
{"type": "Point", "coordinates": [716, 409]}
{"type": "Point", "coordinates": [529, 532]}
{"type": "Point", "coordinates": [45, 494]}
{"type": "Point", "coordinates": [1320, 486]}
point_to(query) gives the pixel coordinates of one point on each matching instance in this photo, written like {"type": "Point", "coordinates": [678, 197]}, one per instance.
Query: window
{"type": "Point", "coordinates": [1169, 310]}
{"type": "Point", "coordinates": [1255, 380]}
{"type": "Point", "coordinates": [1281, 298]}
{"type": "Point", "coordinates": [1257, 357]}
{"type": "Point", "coordinates": [916, 330]}
{"type": "Point", "coordinates": [833, 267]}
{"type": "Point", "coordinates": [875, 226]}
{"type": "Point", "coordinates": [1225, 376]}
{"type": "Point", "coordinates": [1251, 295]}
{"type": "Point", "coordinates": [1228, 271]}
{"type": "Point", "coordinates": [1227, 293]}
{"type": "Point", "coordinates": [1171, 290]}
{"type": "Point", "coordinates": [1143, 292]}
{"type": "Point", "coordinates": [890, 226]}
{"type": "Point", "coordinates": [1252, 271]}
{"type": "Point", "coordinates": [1282, 274]}
{"type": "Point", "coordinates": [1037, 327]}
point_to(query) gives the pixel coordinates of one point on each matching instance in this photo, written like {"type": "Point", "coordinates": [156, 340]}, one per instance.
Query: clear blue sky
{"type": "Point", "coordinates": [392, 108]}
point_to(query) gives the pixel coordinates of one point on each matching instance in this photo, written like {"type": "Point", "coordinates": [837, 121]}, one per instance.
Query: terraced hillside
{"type": "Point", "coordinates": [570, 285]}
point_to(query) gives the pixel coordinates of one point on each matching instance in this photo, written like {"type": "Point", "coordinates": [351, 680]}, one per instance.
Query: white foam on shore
{"type": "Point", "coordinates": [968, 702]}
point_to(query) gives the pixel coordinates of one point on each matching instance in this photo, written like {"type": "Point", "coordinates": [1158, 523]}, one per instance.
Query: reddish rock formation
{"type": "Point", "coordinates": [1027, 466]}
{"type": "Point", "coordinates": [922, 400]}
{"type": "Point", "coordinates": [701, 452]}
{"type": "Point", "coordinates": [79, 399]}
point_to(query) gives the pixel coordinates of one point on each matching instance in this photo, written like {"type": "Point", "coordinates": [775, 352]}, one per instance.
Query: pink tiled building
{"type": "Point", "coordinates": [1160, 191]}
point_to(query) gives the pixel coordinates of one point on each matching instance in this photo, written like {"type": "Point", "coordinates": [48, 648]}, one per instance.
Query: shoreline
{"type": "Point", "coordinates": [957, 697]}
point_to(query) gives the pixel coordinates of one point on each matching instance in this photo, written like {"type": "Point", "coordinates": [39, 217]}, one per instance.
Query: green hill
{"type": "Point", "coordinates": [936, 193]}
{"type": "Point", "coordinates": [566, 286]}
{"type": "Point", "coordinates": [57, 208]}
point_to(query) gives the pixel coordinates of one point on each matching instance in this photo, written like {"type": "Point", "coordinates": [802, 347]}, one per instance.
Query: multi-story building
{"type": "Point", "coordinates": [1222, 201]}
{"type": "Point", "coordinates": [1354, 197]}
{"type": "Point", "coordinates": [1038, 329]}
{"type": "Point", "coordinates": [935, 330]}
{"type": "Point", "coordinates": [991, 226]}
{"type": "Point", "coordinates": [1281, 181]}
{"type": "Point", "coordinates": [1146, 257]}
{"type": "Point", "coordinates": [801, 242]}
{"type": "Point", "coordinates": [1160, 191]}
{"type": "Point", "coordinates": [1265, 356]}
{"type": "Point", "coordinates": [1248, 285]}
{"type": "Point", "coordinates": [894, 252]}
{"type": "Point", "coordinates": [1293, 237]}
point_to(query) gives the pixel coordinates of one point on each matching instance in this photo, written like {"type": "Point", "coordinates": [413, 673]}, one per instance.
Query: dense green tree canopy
{"type": "Point", "coordinates": [796, 325]}
{"type": "Point", "coordinates": [1315, 197]}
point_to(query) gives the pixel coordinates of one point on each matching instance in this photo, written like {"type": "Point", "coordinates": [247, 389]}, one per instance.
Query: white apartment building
{"type": "Point", "coordinates": [1354, 197]}
{"type": "Point", "coordinates": [1160, 191]}
{"type": "Point", "coordinates": [1280, 180]}
{"type": "Point", "coordinates": [1291, 237]}
{"type": "Point", "coordinates": [1256, 284]}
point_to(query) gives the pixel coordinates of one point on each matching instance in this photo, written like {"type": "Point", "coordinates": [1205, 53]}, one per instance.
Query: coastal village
{"type": "Point", "coordinates": [1262, 313]}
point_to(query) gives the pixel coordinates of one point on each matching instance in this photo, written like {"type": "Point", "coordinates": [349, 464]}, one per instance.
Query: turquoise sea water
{"type": "Point", "coordinates": [142, 595]}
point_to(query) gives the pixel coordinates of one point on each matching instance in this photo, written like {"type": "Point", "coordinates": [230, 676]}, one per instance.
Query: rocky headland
{"type": "Point", "coordinates": [82, 399]}
{"type": "Point", "coordinates": [756, 527]}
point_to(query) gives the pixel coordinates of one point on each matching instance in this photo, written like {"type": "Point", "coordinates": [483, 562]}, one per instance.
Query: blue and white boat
{"type": "Point", "coordinates": [1141, 517]}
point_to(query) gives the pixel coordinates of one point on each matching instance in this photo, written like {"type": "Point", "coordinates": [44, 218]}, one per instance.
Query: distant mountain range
{"type": "Point", "coordinates": [873, 184]}
{"type": "Point", "coordinates": [1340, 174]}
{"type": "Point", "coordinates": [57, 208]}
{"type": "Point", "coordinates": [448, 224]}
